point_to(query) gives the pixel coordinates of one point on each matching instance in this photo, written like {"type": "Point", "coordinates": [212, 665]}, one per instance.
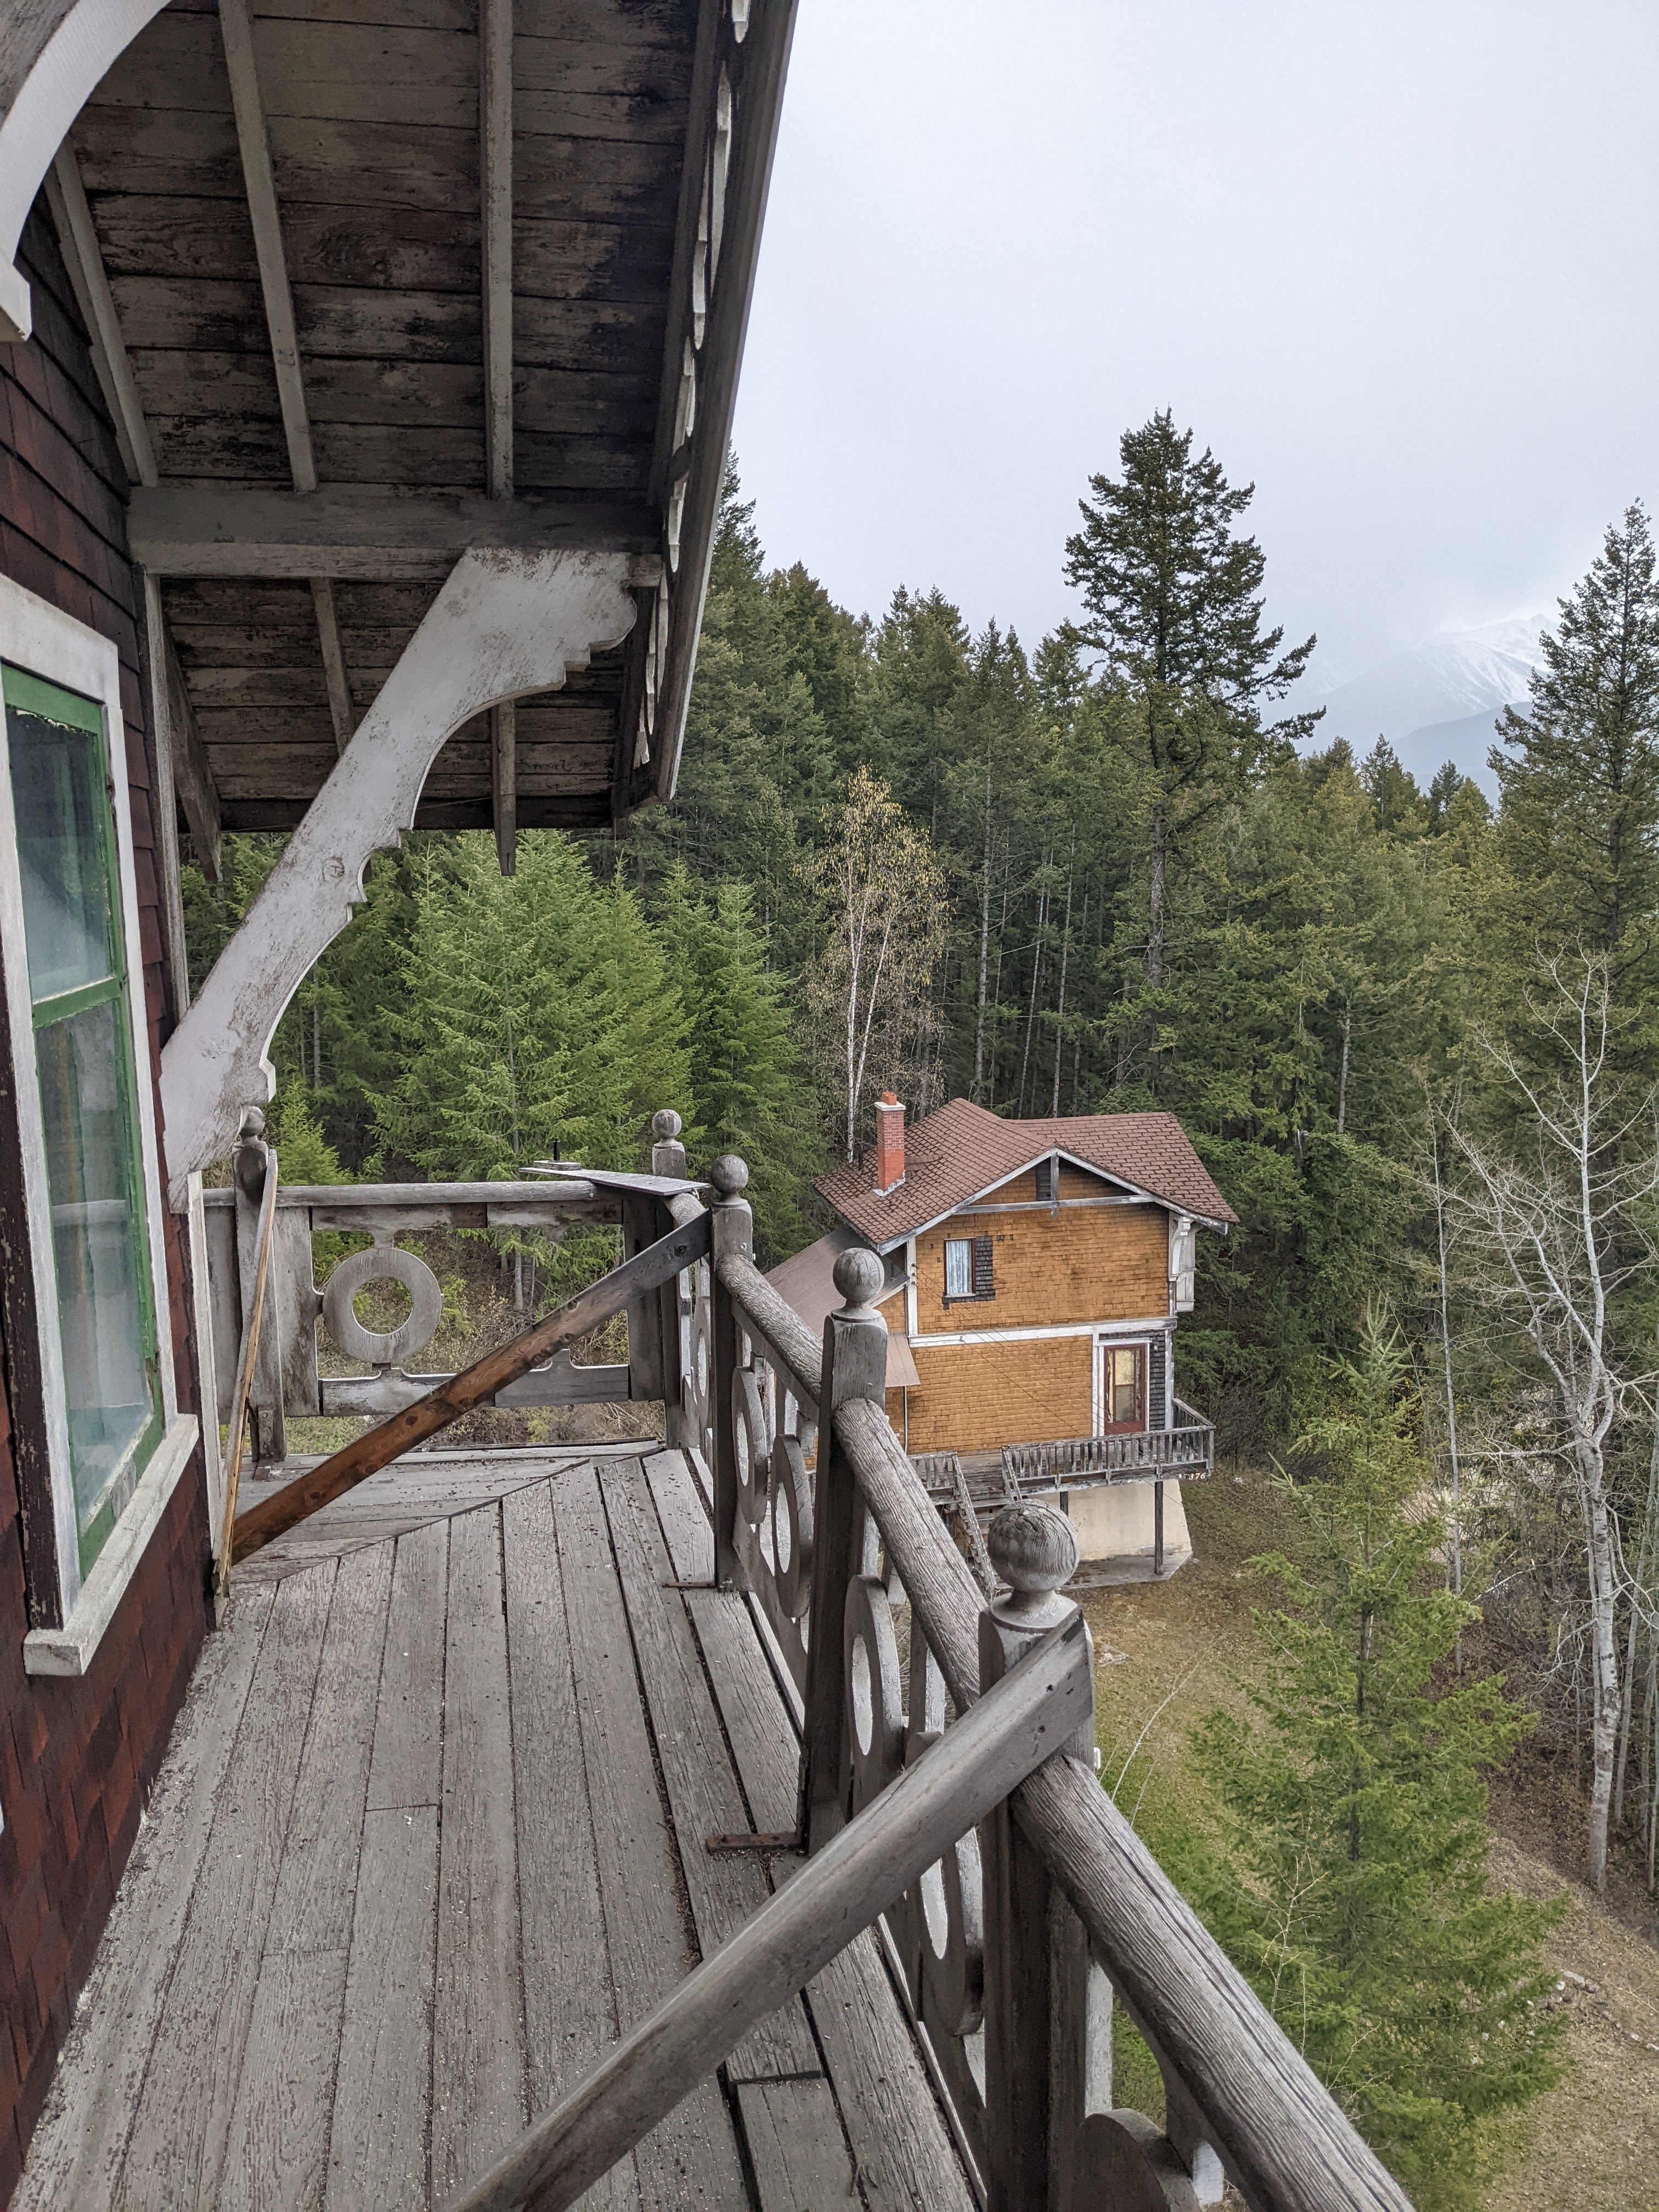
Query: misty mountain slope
{"type": "Point", "coordinates": [1437, 701]}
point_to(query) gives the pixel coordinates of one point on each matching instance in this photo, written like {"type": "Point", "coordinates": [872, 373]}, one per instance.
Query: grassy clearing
{"type": "Point", "coordinates": [1170, 1652]}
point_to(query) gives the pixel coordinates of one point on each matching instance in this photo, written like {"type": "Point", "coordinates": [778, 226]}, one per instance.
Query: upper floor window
{"type": "Point", "coordinates": [968, 1269]}
{"type": "Point", "coordinates": [85, 1082]}
{"type": "Point", "coordinates": [1043, 1176]}
{"type": "Point", "coordinates": [98, 1443]}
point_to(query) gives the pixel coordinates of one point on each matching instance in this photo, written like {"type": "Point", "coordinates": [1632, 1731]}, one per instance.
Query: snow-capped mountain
{"type": "Point", "coordinates": [1439, 701]}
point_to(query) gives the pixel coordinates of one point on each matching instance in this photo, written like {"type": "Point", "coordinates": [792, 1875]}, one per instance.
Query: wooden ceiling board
{"type": "Point", "coordinates": [372, 114]}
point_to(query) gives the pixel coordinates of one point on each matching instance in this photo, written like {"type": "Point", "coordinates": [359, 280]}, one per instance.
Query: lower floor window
{"type": "Point", "coordinates": [1122, 1381]}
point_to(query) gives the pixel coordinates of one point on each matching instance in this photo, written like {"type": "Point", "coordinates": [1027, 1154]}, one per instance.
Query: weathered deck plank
{"type": "Point", "coordinates": [478, 2034]}
{"type": "Point", "coordinates": [570, 2003]}
{"type": "Point", "coordinates": [404, 1768]}
{"type": "Point", "coordinates": [691, 2159]}
{"type": "Point", "coordinates": [279, 2129]}
{"type": "Point", "coordinates": [900, 2139]}
{"type": "Point", "coordinates": [177, 2151]}
{"type": "Point", "coordinates": [796, 2146]}
{"type": "Point", "coordinates": [704, 1797]}
{"type": "Point", "coordinates": [685, 1526]}
{"type": "Point", "coordinates": [312, 1911]}
{"type": "Point", "coordinates": [81, 2137]}
{"type": "Point", "coordinates": [382, 2098]}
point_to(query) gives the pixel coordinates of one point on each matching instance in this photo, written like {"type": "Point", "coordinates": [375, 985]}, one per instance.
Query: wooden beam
{"type": "Point", "coordinates": [166, 802]}
{"type": "Point", "coordinates": [193, 772]}
{"type": "Point", "coordinates": [84, 260]}
{"type": "Point", "coordinates": [495, 181]}
{"type": "Point", "coordinates": [495, 175]}
{"type": "Point", "coordinates": [340, 708]}
{"type": "Point", "coordinates": [369, 533]}
{"type": "Point", "coordinates": [504, 784]}
{"type": "Point", "coordinates": [253, 141]}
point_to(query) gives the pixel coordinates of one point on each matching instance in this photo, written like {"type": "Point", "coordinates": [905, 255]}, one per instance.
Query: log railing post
{"type": "Point", "coordinates": [249, 1165]}
{"type": "Point", "coordinates": [668, 1158]}
{"type": "Point", "coordinates": [1036, 1950]}
{"type": "Point", "coordinates": [733, 1231]}
{"type": "Point", "coordinates": [854, 1366]}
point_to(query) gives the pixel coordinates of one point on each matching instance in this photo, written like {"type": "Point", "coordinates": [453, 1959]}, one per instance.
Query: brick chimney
{"type": "Point", "coordinates": [889, 1144]}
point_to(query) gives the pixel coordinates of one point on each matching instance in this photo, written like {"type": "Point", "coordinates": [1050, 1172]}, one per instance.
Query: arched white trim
{"type": "Point", "coordinates": [505, 623]}
{"type": "Point", "coordinates": [53, 55]}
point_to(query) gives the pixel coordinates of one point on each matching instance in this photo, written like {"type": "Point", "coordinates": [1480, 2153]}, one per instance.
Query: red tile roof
{"type": "Point", "coordinates": [962, 1151]}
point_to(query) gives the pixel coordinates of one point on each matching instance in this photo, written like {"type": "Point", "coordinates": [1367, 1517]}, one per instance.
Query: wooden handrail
{"type": "Point", "coordinates": [838, 1893]}
{"type": "Point", "coordinates": [770, 1317]}
{"type": "Point", "coordinates": [1286, 2143]}
{"type": "Point", "coordinates": [239, 1396]}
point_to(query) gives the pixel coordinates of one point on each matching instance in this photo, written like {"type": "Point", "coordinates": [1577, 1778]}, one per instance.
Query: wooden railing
{"type": "Point", "coordinates": [1186, 1453]}
{"type": "Point", "coordinates": [286, 1380]}
{"type": "Point", "coordinates": [1013, 1941]}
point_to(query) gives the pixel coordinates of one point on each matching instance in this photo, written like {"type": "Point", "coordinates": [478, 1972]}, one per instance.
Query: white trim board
{"type": "Point", "coordinates": [1103, 1330]}
{"type": "Point", "coordinates": [70, 1649]}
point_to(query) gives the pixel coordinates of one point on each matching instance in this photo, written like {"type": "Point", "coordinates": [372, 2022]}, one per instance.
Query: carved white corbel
{"type": "Point", "coordinates": [53, 54]}
{"type": "Point", "coordinates": [504, 624]}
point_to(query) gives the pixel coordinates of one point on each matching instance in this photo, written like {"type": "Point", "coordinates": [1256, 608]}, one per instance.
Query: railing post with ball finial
{"type": "Point", "coordinates": [668, 1158]}
{"type": "Point", "coordinates": [854, 1366]}
{"type": "Point", "coordinates": [252, 1160]}
{"type": "Point", "coordinates": [733, 1231]}
{"type": "Point", "coordinates": [1036, 1950]}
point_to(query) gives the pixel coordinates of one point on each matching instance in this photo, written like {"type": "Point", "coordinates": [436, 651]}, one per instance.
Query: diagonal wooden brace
{"type": "Point", "coordinates": [367, 1455]}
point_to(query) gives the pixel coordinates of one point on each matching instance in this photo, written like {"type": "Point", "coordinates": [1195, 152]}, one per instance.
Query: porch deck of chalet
{"type": "Point", "coordinates": [432, 1831]}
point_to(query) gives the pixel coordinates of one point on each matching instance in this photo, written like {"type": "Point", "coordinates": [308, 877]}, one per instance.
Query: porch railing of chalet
{"type": "Point", "coordinates": [1186, 1451]}
{"type": "Point", "coordinates": [965, 1809]}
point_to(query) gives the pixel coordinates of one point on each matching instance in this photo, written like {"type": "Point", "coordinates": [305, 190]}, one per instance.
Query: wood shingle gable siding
{"type": "Point", "coordinates": [78, 1757]}
{"type": "Point", "coordinates": [1048, 1269]}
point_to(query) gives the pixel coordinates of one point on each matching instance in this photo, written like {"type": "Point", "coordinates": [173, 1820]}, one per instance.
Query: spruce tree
{"type": "Point", "coordinates": [1578, 775]}
{"type": "Point", "coordinates": [1348, 1878]}
{"type": "Point", "coordinates": [1173, 606]}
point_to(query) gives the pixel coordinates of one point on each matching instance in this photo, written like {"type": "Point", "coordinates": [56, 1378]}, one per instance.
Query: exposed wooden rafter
{"type": "Point", "coordinates": [378, 535]}
{"type": "Point", "coordinates": [496, 182]}
{"type": "Point", "coordinates": [253, 141]}
{"type": "Point", "coordinates": [181, 757]}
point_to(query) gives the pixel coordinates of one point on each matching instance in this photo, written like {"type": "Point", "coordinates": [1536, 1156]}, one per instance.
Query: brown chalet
{"type": "Point", "coordinates": [1035, 1272]}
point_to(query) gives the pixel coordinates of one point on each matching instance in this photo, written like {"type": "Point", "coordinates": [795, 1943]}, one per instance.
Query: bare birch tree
{"type": "Point", "coordinates": [1559, 1217]}
{"type": "Point", "coordinates": [882, 903]}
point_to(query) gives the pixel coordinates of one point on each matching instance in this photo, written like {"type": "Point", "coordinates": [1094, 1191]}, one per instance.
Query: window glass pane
{"type": "Point", "coordinates": [958, 1273]}
{"type": "Point", "coordinates": [1123, 1377]}
{"type": "Point", "coordinates": [62, 812]}
{"type": "Point", "coordinates": [99, 1242]}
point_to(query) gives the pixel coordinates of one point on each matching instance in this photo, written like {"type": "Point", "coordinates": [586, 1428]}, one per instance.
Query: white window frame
{"type": "Point", "coordinates": [73, 1612]}
{"type": "Point", "coordinates": [964, 1244]}
{"type": "Point", "coordinates": [1137, 1340]}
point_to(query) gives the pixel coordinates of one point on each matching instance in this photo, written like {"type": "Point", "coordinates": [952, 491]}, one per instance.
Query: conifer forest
{"type": "Point", "coordinates": [1413, 1032]}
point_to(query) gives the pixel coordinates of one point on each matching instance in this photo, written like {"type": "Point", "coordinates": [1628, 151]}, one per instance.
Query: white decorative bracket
{"type": "Point", "coordinates": [53, 54]}
{"type": "Point", "coordinates": [505, 623]}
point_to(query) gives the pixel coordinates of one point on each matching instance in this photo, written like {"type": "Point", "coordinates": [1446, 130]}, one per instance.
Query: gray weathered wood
{"type": "Point", "coordinates": [358, 531]}
{"type": "Point", "coordinates": [404, 1769]}
{"type": "Point", "coordinates": [177, 2151]}
{"type": "Point", "coordinates": [377, 2145]}
{"type": "Point", "coordinates": [477, 2040]}
{"type": "Point", "coordinates": [570, 2006]}
{"type": "Point", "coordinates": [312, 1910]}
{"type": "Point", "coordinates": [279, 2129]}
{"type": "Point", "coordinates": [685, 1527]}
{"type": "Point", "coordinates": [901, 2140]}
{"type": "Point", "coordinates": [193, 773]}
{"type": "Point", "coordinates": [855, 1374]}
{"type": "Point", "coordinates": [731, 1233]}
{"type": "Point", "coordinates": [692, 2157]}
{"type": "Point", "coordinates": [796, 2146]}
{"type": "Point", "coordinates": [790, 1343]}
{"type": "Point", "coordinates": [79, 2141]}
{"type": "Point", "coordinates": [839, 1893]}
{"type": "Point", "coordinates": [335, 673]}
{"type": "Point", "coordinates": [726, 1890]}
{"type": "Point", "coordinates": [1281, 2136]}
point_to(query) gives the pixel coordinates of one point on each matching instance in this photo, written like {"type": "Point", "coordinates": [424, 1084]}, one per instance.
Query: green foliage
{"type": "Point", "coordinates": [1346, 1876]}
{"type": "Point", "coordinates": [536, 1017]}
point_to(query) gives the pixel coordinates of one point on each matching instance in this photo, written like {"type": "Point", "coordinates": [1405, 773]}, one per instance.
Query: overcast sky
{"type": "Point", "coordinates": [1395, 260]}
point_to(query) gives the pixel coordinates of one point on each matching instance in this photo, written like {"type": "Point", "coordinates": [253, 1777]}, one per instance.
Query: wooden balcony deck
{"type": "Point", "coordinates": [432, 1830]}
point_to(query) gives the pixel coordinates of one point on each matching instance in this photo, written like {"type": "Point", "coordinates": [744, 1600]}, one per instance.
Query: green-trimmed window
{"type": "Point", "coordinates": [82, 1027]}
